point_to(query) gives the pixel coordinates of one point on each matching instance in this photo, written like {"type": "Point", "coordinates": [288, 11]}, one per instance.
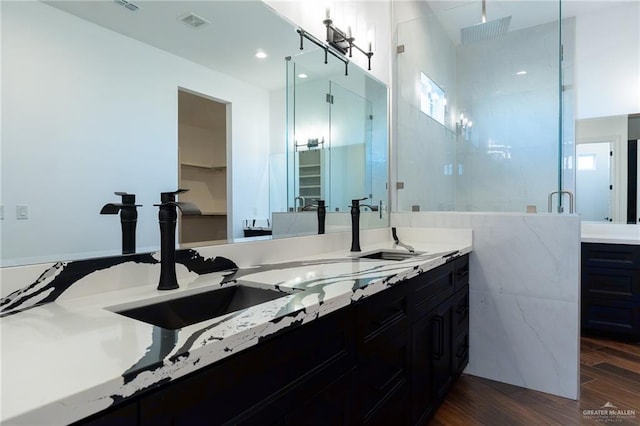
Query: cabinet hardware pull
{"type": "Point", "coordinates": [438, 323]}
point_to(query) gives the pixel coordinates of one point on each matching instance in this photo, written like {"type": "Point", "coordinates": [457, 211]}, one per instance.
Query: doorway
{"type": "Point", "coordinates": [202, 160]}
{"type": "Point", "coordinates": [594, 185]}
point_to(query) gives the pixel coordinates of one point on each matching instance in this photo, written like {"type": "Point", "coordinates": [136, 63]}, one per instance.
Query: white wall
{"type": "Point", "coordinates": [608, 61]}
{"type": "Point", "coordinates": [87, 112]}
{"type": "Point", "coordinates": [524, 296]}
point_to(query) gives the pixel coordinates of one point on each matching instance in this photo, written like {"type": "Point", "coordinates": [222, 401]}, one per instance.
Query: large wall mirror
{"type": "Point", "coordinates": [97, 96]}
{"type": "Point", "coordinates": [336, 145]}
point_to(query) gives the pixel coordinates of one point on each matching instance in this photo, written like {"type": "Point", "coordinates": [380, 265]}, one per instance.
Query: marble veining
{"type": "Point", "coordinates": [57, 279]}
{"type": "Point", "coordinates": [98, 357]}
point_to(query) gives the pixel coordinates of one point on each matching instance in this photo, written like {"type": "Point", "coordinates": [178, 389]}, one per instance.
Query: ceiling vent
{"type": "Point", "coordinates": [193, 20]}
{"type": "Point", "coordinates": [132, 7]}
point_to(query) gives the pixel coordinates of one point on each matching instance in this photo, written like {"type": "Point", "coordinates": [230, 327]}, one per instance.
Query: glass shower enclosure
{"type": "Point", "coordinates": [484, 112]}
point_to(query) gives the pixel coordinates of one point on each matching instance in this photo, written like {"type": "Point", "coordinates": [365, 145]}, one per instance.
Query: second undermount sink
{"type": "Point", "coordinates": [390, 255]}
{"type": "Point", "coordinates": [181, 312]}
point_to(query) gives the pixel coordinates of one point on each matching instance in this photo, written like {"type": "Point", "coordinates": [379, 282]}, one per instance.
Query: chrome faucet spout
{"type": "Point", "coordinates": [303, 203]}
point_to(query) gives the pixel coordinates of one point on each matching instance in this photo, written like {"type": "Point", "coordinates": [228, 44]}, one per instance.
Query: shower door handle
{"type": "Point", "coordinates": [561, 193]}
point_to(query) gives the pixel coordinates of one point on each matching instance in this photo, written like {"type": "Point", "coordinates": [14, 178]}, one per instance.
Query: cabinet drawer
{"type": "Point", "coordinates": [461, 272]}
{"type": "Point", "coordinates": [611, 255]}
{"type": "Point", "coordinates": [615, 316]}
{"type": "Point", "coordinates": [431, 289]}
{"type": "Point", "coordinates": [382, 310]}
{"type": "Point", "coordinates": [606, 282]}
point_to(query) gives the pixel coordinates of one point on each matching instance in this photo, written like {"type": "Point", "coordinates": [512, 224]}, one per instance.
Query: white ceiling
{"type": "Point", "coordinates": [239, 28]}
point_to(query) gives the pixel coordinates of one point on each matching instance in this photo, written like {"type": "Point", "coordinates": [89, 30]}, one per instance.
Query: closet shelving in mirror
{"type": "Point", "coordinates": [214, 167]}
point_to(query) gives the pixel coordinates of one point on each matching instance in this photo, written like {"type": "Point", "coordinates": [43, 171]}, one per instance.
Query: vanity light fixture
{"type": "Point", "coordinates": [344, 41]}
{"type": "Point", "coordinates": [312, 143]}
{"type": "Point", "coordinates": [261, 54]}
{"type": "Point", "coordinates": [338, 43]}
{"type": "Point", "coordinates": [523, 72]}
{"type": "Point", "coordinates": [302, 75]}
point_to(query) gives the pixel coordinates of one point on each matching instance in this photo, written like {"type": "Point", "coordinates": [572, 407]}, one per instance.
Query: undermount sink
{"type": "Point", "coordinates": [390, 255]}
{"type": "Point", "coordinates": [181, 312]}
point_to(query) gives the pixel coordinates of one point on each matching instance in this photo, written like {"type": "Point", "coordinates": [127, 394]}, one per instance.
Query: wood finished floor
{"type": "Point", "coordinates": [609, 372]}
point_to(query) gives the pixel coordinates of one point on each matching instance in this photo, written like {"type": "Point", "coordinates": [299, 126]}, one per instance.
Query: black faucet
{"type": "Point", "coordinates": [355, 224]}
{"type": "Point", "coordinates": [322, 214]}
{"type": "Point", "coordinates": [167, 217]}
{"type": "Point", "coordinates": [128, 219]}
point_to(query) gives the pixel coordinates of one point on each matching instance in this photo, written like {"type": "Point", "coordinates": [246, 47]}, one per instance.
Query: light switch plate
{"type": "Point", "coordinates": [1, 212]}
{"type": "Point", "coordinates": [22, 212]}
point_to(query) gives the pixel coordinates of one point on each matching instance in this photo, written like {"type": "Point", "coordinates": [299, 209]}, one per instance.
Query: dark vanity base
{"type": "Point", "coordinates": [611, 290]}
{"type": "Point", "coordinates": [387, 359]}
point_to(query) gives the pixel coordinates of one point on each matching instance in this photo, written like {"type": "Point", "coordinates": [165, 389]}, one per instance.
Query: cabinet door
{"type": "Point", "coordinates": [384, 355]}
{"type": "Point", "coordinates": [333, 405]}
{"type": "Point", "coordinates": [392, 410]}
{"type": "Point", "coordinates": [383, 367]}
{"type": "Point", "coordinates": [441, 341]}
{"type": "Point", "coordinates": [237, 385]}
{"type": "Point", "coordinates": [422, 394]}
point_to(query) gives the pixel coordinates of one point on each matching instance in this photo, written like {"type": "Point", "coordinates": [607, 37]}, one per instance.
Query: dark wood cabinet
{"type": "Point", "coordinates": [611, 289]}
{"type": "Point", "coordinates": [387, 359]}
{"type": "Point", "coordinates": [440, 335]}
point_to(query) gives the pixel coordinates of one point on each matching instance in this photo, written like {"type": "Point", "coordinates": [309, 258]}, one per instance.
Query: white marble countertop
{"type": "Point", "coordinates": [68, 359]}
{"type": "Point", "coordinates": [610, 233]}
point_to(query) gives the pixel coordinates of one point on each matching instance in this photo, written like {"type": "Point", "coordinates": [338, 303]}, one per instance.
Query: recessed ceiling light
{"type": "Point", "coordinates": [302, 75]}
{"type": "Point", "coordinates": [260, 54]}
{"type": "Point", "coordinates": [523, 72]}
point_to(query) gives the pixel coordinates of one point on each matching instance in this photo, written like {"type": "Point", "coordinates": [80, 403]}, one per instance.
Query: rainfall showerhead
{"type": "Point", "coordinates": [485, 30]}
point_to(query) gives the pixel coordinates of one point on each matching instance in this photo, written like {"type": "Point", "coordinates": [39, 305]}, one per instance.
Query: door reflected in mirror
{"type": "Point", "coordinates": [606, 168]}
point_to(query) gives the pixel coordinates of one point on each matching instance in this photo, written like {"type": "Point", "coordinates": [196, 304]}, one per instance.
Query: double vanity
{"type": "Point", "coordinates": [331, 336]}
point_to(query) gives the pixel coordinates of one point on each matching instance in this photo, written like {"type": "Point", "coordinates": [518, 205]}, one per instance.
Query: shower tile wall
{"type": "Point", "coordinates": [510, 158]}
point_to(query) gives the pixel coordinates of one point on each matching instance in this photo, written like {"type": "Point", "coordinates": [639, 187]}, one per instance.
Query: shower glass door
{"type": "Point", "coordinates": [505, 142]}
